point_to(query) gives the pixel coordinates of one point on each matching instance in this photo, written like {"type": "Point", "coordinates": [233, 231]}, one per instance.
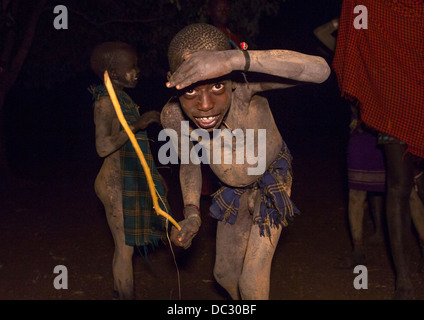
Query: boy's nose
{"type": "Point", "coordinates": [205, 102]}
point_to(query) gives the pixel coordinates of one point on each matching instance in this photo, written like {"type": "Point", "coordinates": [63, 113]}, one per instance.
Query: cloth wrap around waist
{"type": "Point", "coordinates": [275, 207]}
{"type": "Point", "coordinates": [142, 225]}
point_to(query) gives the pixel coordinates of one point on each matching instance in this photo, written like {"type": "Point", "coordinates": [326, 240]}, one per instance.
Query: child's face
{"type": "Point", "coordinates": [206, 103]}
{"type": "Point", "coordinates": [126, 69]}
{"type": "Point", "coordinates": [220, 12]}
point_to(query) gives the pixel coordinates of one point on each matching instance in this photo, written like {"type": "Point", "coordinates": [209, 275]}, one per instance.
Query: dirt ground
{"type": "Point", "coordinates": [51, 216]}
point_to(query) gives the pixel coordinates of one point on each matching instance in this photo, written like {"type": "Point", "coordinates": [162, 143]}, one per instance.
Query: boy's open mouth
{"type": "Point", "coordinates": [207, 122]}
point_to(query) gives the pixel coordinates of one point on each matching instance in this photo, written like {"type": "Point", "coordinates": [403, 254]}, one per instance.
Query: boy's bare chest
{"type": "Point", "coordinates": [244, 146]}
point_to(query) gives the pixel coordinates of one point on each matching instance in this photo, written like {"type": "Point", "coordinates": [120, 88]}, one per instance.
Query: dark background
{"type": "Point", "coordinates": [51, 215]}
{"type": "Point", "coordinates": [47, 125]}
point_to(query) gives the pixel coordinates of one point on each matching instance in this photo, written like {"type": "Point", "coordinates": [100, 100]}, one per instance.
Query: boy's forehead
{"type": "Point", "coordinates": [127, 51]}
{"type": "Point", "coordinates": [125, 55]}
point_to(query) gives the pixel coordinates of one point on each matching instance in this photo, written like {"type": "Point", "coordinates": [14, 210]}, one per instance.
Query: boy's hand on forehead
{"type": "Point", "coordinates": [201, 65]}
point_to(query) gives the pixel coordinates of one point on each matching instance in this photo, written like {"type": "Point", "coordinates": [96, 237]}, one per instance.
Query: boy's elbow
{"type": "Point", "coordinates": [322, 71]}
{"type": "Point", "coordinates": [102, 152]}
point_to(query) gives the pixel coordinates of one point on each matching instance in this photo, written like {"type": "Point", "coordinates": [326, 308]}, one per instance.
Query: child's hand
{"type": "Point", "coordinates": [201, 65]}
{"type": "Point", "coordinates": [189, 228]}
{"type": "Point", "coordinates": [146, 119]}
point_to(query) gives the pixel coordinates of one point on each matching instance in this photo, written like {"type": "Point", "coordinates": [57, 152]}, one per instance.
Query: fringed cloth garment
{"type": "Point", "coordinates": [276, 206]}
{"type": "Point", "coordinates": [141, 223]}
{"type": "Point", "coordinates": [383, 67]}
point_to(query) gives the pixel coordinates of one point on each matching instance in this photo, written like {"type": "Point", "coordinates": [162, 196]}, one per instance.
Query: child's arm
{"type": "Point", "coordinates": [325, 33]}
{"type": "Point", "coordinates": [106, 141]}
{"type": "Point", "coordinates": [204, 65]}
{"type": "Point", "coordinates": [145, 120]}
{"type": "Point", "coordinates": [190, 180]}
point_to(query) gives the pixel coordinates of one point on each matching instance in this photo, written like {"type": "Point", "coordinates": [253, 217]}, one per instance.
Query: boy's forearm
{"type": "Point", "coordinates": [283, 63]}
{"type": "Point", "coordinates": [191, 183]}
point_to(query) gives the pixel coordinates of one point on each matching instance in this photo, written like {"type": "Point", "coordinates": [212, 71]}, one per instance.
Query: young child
{"type": "Point", "coordinates": [251, 208]}
{"type": "Point", "coordinates": [121, 184]}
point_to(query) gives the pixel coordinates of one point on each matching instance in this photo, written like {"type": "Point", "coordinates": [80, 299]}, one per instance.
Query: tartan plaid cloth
{"type": "Point", "coordinates": [383, 67]}
{"type": "Point", "coordinates": [142, 225]}
{"type": "Point", "coordinates": [276, 206]}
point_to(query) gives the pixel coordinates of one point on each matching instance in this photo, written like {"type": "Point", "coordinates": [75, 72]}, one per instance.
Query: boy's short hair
{"type": "Point", "coordinates": [103, 56]}
{"type": "Point", "coordinates": [195, 37]}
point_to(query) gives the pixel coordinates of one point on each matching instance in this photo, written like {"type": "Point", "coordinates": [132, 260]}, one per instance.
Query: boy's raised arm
{"type": "Point", "coordinates": [203, 65]}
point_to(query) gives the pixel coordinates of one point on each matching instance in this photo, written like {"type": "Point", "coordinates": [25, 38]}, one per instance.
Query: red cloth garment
{"type": "Point", "coordinates": [383, 67]}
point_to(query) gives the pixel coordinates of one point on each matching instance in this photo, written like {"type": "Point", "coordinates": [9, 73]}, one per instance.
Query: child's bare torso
{"type": "Point", "coordinates": [254, 117]}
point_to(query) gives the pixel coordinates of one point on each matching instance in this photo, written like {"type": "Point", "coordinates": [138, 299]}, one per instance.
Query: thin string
{"type": "Point", "coordinates": [170, 246]}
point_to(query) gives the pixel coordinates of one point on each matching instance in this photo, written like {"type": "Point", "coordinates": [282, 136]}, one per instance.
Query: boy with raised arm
{"type": "Point", "coordinates": [252, 206]}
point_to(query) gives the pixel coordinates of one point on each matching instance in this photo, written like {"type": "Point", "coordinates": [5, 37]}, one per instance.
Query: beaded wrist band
{"type": "Point", "coordinates": [244, 46]}
{"type": "Point", "coordinates": [195, 207]}
{"type": "Point", "coordinates": [247, 58]}
{"type": "Point", "coordinates": [192, 205]}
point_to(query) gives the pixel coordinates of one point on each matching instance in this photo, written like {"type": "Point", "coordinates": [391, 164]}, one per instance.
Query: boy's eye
{"type": "Point", "coordinates": [190, 92]}
{"type": "Point", "coordinates": [217, 87]}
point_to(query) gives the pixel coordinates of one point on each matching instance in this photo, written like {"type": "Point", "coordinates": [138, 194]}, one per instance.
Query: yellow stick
{"type": "Point", "coordinates": [140, 155]}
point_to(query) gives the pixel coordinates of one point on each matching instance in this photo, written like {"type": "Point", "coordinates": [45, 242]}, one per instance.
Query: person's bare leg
{"type": "Point", "coordinates": [255, 279]}
{"type": "Point", "coordinates": [110, 194]}
{"type": "Point", "coordinates": [399, 186]}
{"type": "Point", "coordinates": [355, 217]}
{"type": "Point", "coordinates": [376, 204]}
{"type": "Point", "coordinates": [231, 243]}
{"type": "Point", "coordinates": [417, 214]}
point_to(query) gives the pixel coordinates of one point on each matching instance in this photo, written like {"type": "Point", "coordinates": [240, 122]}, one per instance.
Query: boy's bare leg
{"type": "Point", "coordinates": [244, 256]}
{"type": "Point", "coordinates": [231, 243]}
{"type": "Point", "coordinates": [356, 214]}
{"type": "Point", "coordinates": [377, 205]}
{"type": "Point", "coordinates": [255, 279]}
{"type": "Point", "coordinates": [355, 217]}
{"type": "Point", "coordinates": [122, 257]}
{"type": "Point", "coordinates": [122, 267]}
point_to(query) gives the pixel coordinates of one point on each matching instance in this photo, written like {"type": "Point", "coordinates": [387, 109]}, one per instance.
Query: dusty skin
{"type": "Point", "coordinates": [65, 224]}
{"type": "Point", "coordinates": [109, 139]}
{"type": "Point", "coordinates": [210, 101]}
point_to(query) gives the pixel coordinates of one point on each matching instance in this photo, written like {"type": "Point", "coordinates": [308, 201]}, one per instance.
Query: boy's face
{"type": "Point", "coordinates": [206, 103]}
{"type": "Point", "coordinates": [126, 69]}
{"type": "Point", "coordinates": [220, 12]}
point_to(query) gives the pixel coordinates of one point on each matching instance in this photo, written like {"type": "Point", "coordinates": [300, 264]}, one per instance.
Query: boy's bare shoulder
{"type": "Point", "coordinates": [171, 115]}
{"type": "Point", "coordinates": [103, 102]}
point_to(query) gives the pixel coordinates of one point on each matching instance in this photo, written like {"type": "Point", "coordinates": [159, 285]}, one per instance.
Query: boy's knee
{"type": "Point", "coordinates": [224, 278]}
{"type": "Point", "coordinates": [254, 286]}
